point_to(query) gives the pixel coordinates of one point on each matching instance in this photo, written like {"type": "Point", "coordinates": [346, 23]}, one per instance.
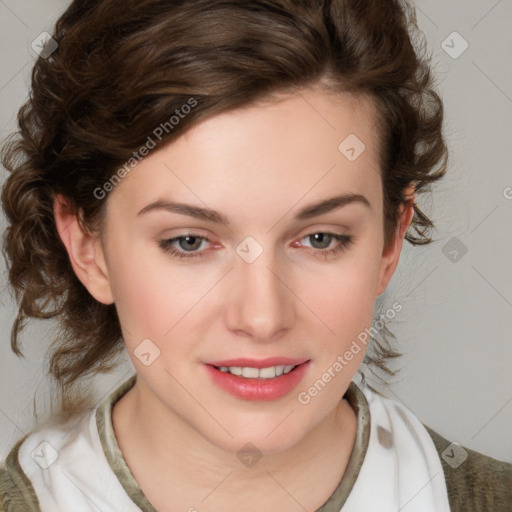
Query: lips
{"type": "Point", "coordinates": [259, 389]}
{"type": "Point", "coordinates": [258, 363]}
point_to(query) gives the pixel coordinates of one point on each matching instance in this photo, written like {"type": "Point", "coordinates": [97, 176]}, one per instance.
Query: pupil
{"type": "Point", "coordinates": [321, 236]}
{"type": "Point", "coordinates": [188, 238]}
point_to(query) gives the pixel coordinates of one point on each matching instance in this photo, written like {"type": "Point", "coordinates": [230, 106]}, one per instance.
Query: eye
{"type": "Point", "coordinates": [187, 246]}
{"type": "Point", "coordinates": [189, 242]}
{"type": "Point", "coordinates": [324, 240]}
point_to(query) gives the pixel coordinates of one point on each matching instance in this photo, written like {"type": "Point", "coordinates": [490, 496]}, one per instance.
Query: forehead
{"type": "Point", "coordinates": [307, 145]}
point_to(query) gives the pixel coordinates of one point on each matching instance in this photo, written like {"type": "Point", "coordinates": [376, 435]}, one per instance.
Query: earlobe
{"type": "Point", "coordinates": [391, 254]}
{"type": "Point", "coordinates": [84, 251]}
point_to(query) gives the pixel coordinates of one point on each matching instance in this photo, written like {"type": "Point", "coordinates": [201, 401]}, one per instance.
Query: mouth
{"type": "Point", "coordinates": [258, 380]}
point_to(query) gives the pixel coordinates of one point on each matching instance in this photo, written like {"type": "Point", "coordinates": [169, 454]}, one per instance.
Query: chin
{"type": "Point", "coordinates": [271, 436]}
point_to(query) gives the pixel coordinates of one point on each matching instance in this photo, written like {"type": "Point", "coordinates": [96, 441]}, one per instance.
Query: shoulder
{"type": "Point", "coordinates": [16, 491]}
{"type": "Point", "coordinates": [475, 482]}
{"type": "Point", "coordinates": [27, 475]}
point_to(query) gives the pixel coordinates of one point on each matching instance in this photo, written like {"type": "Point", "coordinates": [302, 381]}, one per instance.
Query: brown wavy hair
{"type": "Point", "coordinates": [123, 68]}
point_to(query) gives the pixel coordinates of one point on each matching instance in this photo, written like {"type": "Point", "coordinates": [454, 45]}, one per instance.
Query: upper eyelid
{"type": "Point", "coordinates": [192, 232]}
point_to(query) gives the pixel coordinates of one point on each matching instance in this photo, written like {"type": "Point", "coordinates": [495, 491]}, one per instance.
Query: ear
{"type": "Point", "coordinates": [391, 253]}
{"type": "Point", "coordinates": [84, 250]}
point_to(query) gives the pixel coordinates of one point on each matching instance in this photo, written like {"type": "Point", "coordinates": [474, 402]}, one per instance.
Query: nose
{"type": "Point", "coordinates": [261, 301]}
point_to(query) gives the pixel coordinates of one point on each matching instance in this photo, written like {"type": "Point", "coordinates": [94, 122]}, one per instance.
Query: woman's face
{"type": "Point", "coordinates": [282, 279]}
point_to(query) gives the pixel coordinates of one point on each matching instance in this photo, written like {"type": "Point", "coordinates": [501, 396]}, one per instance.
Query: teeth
{"type": "Point", "coordinates": [267, 373]}
{"type": "Point", "coordinates": [258, 373]}
{"type": "Point", "coordinates": [250, 373]}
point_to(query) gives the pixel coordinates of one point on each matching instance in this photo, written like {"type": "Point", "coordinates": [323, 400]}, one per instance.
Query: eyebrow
{"type": "Point", "coordinates": [313, 210]}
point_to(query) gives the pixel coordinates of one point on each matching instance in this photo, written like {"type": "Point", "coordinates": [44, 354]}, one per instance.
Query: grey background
{"type": "Point", "coordinates": [457, 318]}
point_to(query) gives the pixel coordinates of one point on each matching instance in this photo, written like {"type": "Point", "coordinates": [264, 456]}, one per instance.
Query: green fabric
{"type": "Point", "coordinates": [16, 491]}
{"type": "Point", "coordinates": [479, 484]}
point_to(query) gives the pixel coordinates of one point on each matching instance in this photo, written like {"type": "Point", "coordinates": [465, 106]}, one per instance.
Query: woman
{"type": "Point", "coordinates": [223, 188]}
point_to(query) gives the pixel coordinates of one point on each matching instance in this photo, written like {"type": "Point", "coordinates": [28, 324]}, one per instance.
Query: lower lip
{"type": "Point", "coordinates": [258, 389]}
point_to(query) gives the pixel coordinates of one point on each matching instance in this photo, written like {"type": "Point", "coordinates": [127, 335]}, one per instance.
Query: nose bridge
{"type": "Point", "coordinates": [260, 303]}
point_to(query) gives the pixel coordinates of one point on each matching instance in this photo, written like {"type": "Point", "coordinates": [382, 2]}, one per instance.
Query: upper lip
{"type": "Point", "coordinates": [259, 363]}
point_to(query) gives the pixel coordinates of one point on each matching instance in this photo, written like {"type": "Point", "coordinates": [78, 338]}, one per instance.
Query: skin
{"type": "Point", "coordinates": [258, 166]}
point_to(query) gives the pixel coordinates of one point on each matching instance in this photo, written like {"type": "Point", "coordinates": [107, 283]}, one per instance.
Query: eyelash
{"type": "Point", "coordinates": [345, 241]}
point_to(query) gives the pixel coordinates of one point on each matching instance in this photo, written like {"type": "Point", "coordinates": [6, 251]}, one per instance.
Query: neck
{"type": "Point", "coordinates": [307, 473]}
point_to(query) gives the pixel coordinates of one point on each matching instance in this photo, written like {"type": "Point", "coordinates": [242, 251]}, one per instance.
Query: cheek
{"type": "Point", "coordinates": [141, 293]}
{"type": "Point", "coordinates": [344, 300]}
{"type": "Point", "coordinates": [347, 308]}
{"type": "Point", "coordinates": [153, 292]}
